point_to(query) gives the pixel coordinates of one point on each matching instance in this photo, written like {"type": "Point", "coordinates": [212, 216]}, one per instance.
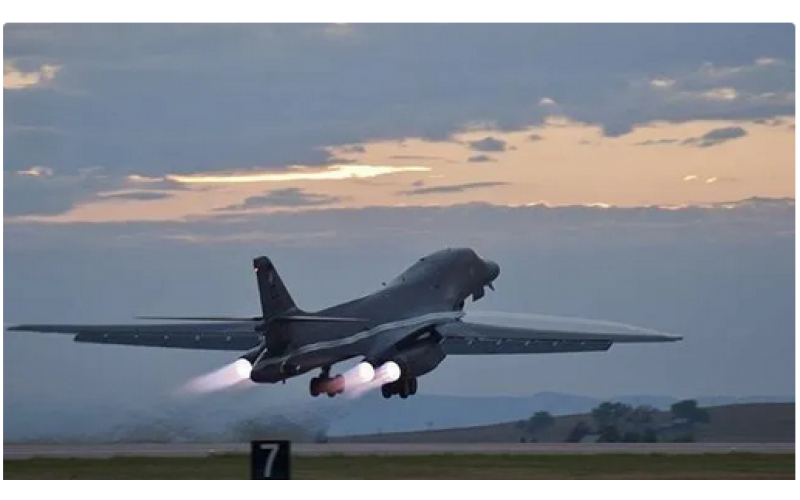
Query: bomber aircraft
{"type": "Point", "coordinates": [400, 332]}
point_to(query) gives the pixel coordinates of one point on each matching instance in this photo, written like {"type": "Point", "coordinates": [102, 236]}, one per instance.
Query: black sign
{"type": "Point", "coordinates": [270, 459]}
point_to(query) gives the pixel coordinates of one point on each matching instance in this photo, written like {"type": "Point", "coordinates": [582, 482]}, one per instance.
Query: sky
{"type": "Point", "coordinates": [633, 173]}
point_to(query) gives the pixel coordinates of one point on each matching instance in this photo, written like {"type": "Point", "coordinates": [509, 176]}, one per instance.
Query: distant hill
{"type": "Point", "coordinates": [234, 416]}
{"type": "Point", "coordinates": [373, 414]}
{"type": "Point", "coordinates": [740, 423]}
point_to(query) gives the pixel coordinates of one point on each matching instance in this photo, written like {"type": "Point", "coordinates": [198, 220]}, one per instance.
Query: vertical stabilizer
{"type": "Point", "coordinates": [275, 298]}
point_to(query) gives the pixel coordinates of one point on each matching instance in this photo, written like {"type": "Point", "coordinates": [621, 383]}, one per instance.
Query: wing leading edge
{"type": "Point", "coordinates": [474, 338]}
{"type": "Point", "coordinates": [204, 336]}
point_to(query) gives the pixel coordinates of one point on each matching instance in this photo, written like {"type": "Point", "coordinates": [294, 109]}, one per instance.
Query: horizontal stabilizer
{"type": "Point", "coordinates": [202, 318]}
{"type": "Point", "coordinates": [321, 319]}
{"type": "Point", "coordinates": [255, 319]}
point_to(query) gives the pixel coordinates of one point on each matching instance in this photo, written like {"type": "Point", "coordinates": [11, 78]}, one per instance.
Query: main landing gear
{"type": "Point", "coordinates": [325, 384]}
{"type": "Point", "coordinates": [403, 387]}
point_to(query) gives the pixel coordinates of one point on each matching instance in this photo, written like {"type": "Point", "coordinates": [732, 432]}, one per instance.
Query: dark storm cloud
{"type": "Point", "coordinates": [153, 98]}
{"type": "Point", "coordinates": [289, 197]}
{"type": "Point", "coordinates": [480, 159]}
{"type": "Point", "coordinates": [716, 137]}
{"type": "Point", "coordinates": [488, 144]}
{"type": "Point", "coordinates": [452, 188]}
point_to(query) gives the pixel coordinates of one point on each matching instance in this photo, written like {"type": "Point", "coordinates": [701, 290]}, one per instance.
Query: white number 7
{"type": "Point", "coordinates": [272, 449]}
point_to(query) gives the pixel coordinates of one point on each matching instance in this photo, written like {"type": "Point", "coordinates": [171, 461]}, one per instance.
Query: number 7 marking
{"type": "Point", "coordinates": [272, 450]}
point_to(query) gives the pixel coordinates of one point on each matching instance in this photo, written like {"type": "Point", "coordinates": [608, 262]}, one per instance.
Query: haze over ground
{"type": "Point", "coordinates": [641, 174]}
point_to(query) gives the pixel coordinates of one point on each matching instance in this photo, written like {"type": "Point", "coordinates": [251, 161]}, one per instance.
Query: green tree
{"type": "Point", "coordinates": [641, 415]}
{"type": "Point", "coordinates": [540, 420]}
{"type": "Point", "coordinates": [689, 410]}
{"type": "Point", "coordinates": [609, 434]}
{"type": "Point", "coordinates": [607, 413]}
{"type": "Point", "coordinates": [631, 437]}
{"type": "Point", "coordinates": [649, 436]}
{"type": "Point", "coordinates": [578, 432]}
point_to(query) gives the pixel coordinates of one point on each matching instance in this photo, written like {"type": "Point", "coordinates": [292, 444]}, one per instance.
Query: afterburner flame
{"type": "Point", "coordinates": [236, 374]}
{"type": "Point", "coordinates": [358, 375]}
{"type": "Point", "coordinates": [365, 372]}
{"type": "Point", "coordinates": [385, 374]}
{"type": "Point", "coordinates": [388, 373]}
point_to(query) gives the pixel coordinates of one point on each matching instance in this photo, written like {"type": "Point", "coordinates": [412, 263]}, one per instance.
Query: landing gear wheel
{"type": "Point", "coordinates": [404, 388]}
{"type": "Point", "coordinates": [412, 386]}
{"type": "Point", "coordinates": [334, 386]}
{"type": "Point", "coordinates": [314, 387]}
{"type": "Point", "coordinates": [386, 391]}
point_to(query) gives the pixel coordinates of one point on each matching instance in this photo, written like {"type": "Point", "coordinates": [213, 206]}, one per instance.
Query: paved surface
{"type": "Point", "coordinates": [23, 451]}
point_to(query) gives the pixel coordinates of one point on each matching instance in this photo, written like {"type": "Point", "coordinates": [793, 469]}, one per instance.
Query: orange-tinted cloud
{"type": "Point", "coordinates": [569, 163]}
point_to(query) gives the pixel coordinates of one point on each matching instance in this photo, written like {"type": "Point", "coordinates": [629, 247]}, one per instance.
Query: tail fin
{"type": "Point", "coordinates": [275, 298]}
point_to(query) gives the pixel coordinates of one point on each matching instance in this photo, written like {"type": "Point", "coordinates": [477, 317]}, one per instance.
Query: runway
{"type": "Point", "coordinates": [26, 451]}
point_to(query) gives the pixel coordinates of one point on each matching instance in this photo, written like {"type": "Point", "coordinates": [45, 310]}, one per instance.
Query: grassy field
{"type": "Point", "coordinates": [723, 466]}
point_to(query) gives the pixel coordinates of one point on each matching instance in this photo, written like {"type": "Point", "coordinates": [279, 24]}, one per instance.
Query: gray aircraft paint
{"type": "Point", "coordinates": [425, 301]}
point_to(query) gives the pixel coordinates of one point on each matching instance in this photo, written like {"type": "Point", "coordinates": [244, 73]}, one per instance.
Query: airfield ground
{"type": "Point", "coordinates": [485, 466]}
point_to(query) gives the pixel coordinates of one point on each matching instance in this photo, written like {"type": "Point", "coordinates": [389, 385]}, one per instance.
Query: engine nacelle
{"type": "Point", "coordinates": [420, 358]}
{"type": "Point", "coordinates": [253, 354]}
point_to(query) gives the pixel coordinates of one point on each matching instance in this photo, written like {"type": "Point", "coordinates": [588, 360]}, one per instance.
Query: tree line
{"type": "Point", "coordinates": [615, 422]}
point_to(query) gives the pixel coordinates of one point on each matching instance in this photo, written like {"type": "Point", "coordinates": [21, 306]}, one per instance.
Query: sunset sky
{"type": "Point", "coordinates": [159, 123]}
{"type": "Point", "coordinates": [634, 173]}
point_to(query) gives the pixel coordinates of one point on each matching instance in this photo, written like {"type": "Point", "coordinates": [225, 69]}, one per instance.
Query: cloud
{"type": "Point", "coordinates": [135, 72]}
{"type": "Point", "coordinates": [720, 94]}
{"type": "Point", "coordinates": [488, 144]}
{"type": "Point", "coordinates": [137, 196]}
{"type": "Point", "coordinates": [414, 157]}
{"type": "Point", "coordinates": [352, 148]}
{"type": "Point", "coordinates": [339, 30]}
{"type": "Point", "coordinates": [480, 159]}
{"type": "Point", "coordinates": [768, 61]}
{"type": "Point", "coordinates": [16, 79]}
{"type": "Point", "coordinates": [656, 142]}
{"type": "Point", "coordinates": [661, 83]}
{"type": "Point", "coordinates": [289, 197]}
{"type": "Point", "coordinates": [43, 191]}
{"type": "Point", "coordinates": [690, 178]}
{"type": "Point", "coordinates": [716, 137]}
{"type": "Point", "coordinates": [535, 137]}
{"type": "Point", "coordinates": [37, 172]}
{"type": "Point", "coordinates": [770, 122]}
{"type": "Point", "coordinates": [334, 172]}
{"type": "Point", "coordinates": [452, 188]}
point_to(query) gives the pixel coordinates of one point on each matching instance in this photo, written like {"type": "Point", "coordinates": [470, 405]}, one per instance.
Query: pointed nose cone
{"type": "Point", "coordinates": [492, 269]}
